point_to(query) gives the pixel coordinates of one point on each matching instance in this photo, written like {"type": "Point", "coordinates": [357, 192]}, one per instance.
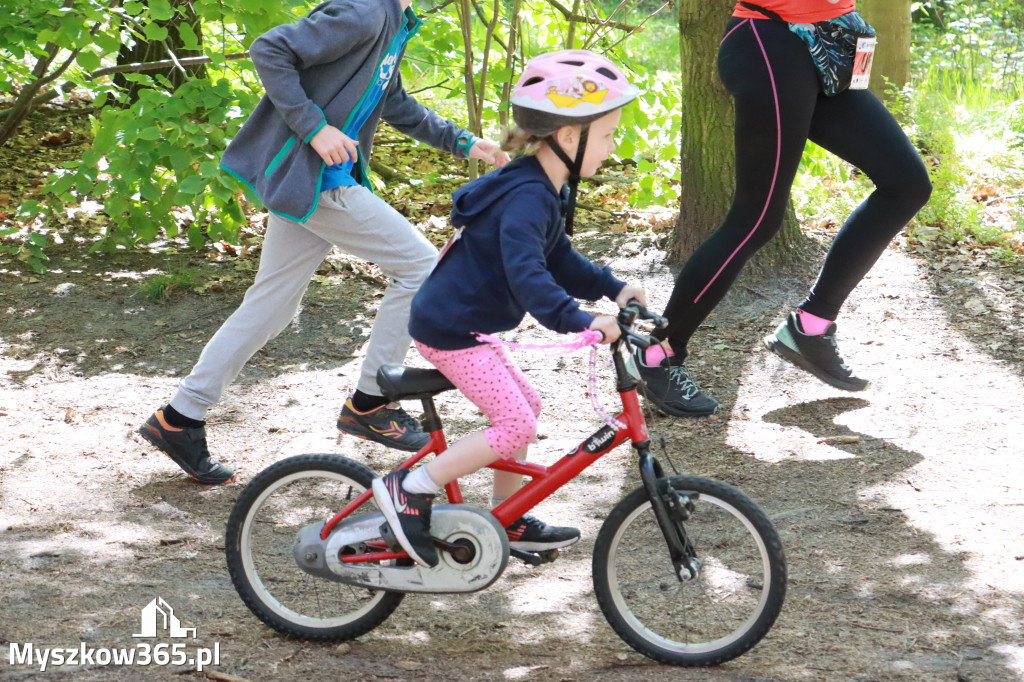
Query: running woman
{"type": "Point", "coordinates": [779, 102]}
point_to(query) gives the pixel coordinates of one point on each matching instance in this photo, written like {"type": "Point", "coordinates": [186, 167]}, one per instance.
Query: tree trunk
{"type": "Point", "coordinates": [891, 19]}
{"type": "Point", "coordinates": [708, 154]}
{"type": "Point", "coordinates": [142, 51]}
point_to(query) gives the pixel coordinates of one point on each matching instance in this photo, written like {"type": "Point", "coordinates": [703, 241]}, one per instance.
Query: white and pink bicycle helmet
{"type": "Point", "coordinates": [565, 88]}
{"type": "Point", "coordinates": [568, 86]}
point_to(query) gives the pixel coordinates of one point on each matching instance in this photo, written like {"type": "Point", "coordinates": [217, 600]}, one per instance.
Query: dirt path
{"type": "Point", "coordinates": [901, 508]}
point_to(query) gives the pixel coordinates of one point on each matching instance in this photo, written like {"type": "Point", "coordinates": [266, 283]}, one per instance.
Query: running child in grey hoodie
{"type": "Point", "coordinates": [329, 79]}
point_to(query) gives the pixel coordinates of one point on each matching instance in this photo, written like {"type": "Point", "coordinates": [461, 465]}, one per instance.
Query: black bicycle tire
{"type": "Point", "coordinates": [605, 591]}
{"type": "Point", "coordinates": [250, 595]}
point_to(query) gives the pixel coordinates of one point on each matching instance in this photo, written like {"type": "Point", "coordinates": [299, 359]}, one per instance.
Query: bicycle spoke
{"type": "Point", "coordinates": [264, 525]}
{"type": "Point", "coordinates": [714, 616]}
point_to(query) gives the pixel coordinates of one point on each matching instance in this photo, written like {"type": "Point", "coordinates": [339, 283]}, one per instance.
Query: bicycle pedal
{"type": "Point", "coordinates": [388, 536]}
{"type": "Point", "coordinates": [534, 558]}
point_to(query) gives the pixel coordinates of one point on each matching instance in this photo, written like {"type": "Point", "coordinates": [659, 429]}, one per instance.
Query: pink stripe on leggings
{"type": "Point", "coordinates": [778, 159]}
{"type": "Point", "coordinates": [733, 29]}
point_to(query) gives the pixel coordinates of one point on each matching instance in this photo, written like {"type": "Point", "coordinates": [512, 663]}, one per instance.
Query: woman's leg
{"type": "Point", "coordinates": [857, 127]}
{"type": "Point", "coordinates": [771, 78]}
{"type": "Point", "coordinates": [767, 70]}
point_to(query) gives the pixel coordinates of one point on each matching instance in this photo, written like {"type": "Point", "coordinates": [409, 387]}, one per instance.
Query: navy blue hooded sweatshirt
{"type": "Point", "coordinates": [512, 258]}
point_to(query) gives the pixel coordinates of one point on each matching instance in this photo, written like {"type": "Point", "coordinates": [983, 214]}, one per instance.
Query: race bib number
{"type": "Point", "coordinates": [862, 63]}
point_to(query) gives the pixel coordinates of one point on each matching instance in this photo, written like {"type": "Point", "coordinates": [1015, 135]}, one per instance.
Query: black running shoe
{"type": "Point", "coordinates": [818, 354]}
{"type": "Point", "coordinates": [669, 386]}
{"type": "Point", "coordinates": [388, 425]}
{"type": "Point", "coordinates": [409, 516]}
{"type": "Point", "coordinates": [533, 535]}
{"type": "Point", "coordinates": [187, 447]}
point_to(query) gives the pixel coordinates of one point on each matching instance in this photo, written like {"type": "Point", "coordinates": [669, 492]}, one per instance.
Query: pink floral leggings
{"type": "Point", "coordinates": [491, 380]}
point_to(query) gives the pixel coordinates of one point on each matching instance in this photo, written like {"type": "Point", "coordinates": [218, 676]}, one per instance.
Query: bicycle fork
{"type": "Point", "coordinates": [671, 510]}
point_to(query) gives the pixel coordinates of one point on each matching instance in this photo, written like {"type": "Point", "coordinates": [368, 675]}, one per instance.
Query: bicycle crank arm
{"type": "Point", "coordinates": [474, 553]}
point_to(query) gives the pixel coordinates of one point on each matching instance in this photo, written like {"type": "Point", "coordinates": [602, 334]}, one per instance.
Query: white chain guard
{"type": "Point", "coordinates": [448, 522]}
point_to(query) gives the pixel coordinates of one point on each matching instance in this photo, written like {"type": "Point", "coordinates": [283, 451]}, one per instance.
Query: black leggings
{"type": "Point", "coordinates": [779, 106]}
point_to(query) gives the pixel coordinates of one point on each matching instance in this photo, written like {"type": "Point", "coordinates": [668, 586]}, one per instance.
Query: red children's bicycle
{"type": "Point", "coordinates": [687, 570]}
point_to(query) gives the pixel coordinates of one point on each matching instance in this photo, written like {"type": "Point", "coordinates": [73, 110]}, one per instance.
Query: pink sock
{"type": "Point", "coordinates": [655, 353]}
{"type": "Point", "coordinates": [812, 324]}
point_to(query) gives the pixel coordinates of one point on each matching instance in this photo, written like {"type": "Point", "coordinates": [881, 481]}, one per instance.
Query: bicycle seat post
{"type": "Point", "coordinates": [430, 420]}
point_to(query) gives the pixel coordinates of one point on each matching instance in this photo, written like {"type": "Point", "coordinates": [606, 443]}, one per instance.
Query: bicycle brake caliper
{"type": "Point", "coordinates": [680, 507]}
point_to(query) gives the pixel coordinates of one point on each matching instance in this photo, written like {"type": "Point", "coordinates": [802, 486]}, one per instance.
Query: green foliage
{"type": "Point", "coordinates": [156, 164]}
{"type": "Point", "coordinates": [153, 162]}
{"type": "Point", "coordinates": [31, 244]}
{"type": "Point", "coordinates": [964, 114]}
{"type": "Point", "coordinates": [649, 131]}
{"type": "Point", "coordinates": [981, 42]}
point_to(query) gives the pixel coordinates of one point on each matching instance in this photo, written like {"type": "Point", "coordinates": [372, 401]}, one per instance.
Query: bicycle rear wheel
{"type": "Point", "coordinates": [261, 533]}
{"type": "Point", "coordinates": [717, 615]}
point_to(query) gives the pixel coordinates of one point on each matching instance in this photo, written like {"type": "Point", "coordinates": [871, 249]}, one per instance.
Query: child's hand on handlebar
{"type": "Point", "coordinates": [628, 293]}
{"type": "Point", "coordinates": [608, 326]}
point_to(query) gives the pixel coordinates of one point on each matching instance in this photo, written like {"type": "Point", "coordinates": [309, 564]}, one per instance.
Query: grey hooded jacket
{"type": "Point", "coordinates": [314, 73]}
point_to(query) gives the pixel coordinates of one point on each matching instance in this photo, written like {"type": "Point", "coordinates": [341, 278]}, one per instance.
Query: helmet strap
{"type": "Point", "coordinates": [574, 167]}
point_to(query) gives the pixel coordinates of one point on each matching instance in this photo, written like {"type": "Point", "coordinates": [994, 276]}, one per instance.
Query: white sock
{"type": "Point", "coordinates": [495, 501]}
{"type": "Point", "coordinates": [420, 482]}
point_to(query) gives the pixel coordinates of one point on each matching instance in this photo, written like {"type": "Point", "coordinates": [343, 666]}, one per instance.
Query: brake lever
{"type": "Point", "coordinates": [641, 340]}
{"type": "Point", "coordinates": [643, 313]}
{"type": "Point", "coordinates": [628, 316]}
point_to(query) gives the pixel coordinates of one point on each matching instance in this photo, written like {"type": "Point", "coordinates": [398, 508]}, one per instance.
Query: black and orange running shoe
{"type": "Point", "coordinates": [530, 534]}
{"type": "Point", "coordinates": [409, 516]}
{"type": "Point", "coordinates": [187, 447]}
{"type": "Point", "coordinates": [388, 425]}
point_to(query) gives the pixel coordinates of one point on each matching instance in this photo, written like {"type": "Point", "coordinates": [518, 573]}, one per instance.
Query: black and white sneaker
{"type": "Point", "coordinates": [669, 386]}
{"type": "Point", "coordinates": [533, 535]}
{"type": "Point", "coordinates": [409, 516]}
{"type": "Point", "coordinates": [817, 354]}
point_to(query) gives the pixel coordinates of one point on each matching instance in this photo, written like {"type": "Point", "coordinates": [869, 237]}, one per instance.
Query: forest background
{"type": "Point", "coordinates": [117, 112]}
{"type": "Point", "coordinates": [123, 248]}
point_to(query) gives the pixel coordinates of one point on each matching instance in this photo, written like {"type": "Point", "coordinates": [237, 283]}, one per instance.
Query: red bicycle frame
{"type": "Point", "coordinates": [544, 480]}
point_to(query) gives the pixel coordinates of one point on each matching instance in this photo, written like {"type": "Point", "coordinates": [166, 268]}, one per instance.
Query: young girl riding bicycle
{"type": "Point", "coordinates": [510, 256]}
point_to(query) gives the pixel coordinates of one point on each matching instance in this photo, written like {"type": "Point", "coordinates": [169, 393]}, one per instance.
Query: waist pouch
{"type": "Point", "coordinates": [836, 46]}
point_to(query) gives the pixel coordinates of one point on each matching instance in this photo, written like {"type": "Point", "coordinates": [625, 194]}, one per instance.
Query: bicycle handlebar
{"type": "Point", "coordinates": [628, 316]}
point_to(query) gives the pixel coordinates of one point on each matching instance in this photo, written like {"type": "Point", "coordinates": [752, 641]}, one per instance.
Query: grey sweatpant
{"type": "Point", "coordinates": [356, 221]}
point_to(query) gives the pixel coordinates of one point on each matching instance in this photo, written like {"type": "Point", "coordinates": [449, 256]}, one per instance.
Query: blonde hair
{"type": "Point", "coordinates": [520, 141]}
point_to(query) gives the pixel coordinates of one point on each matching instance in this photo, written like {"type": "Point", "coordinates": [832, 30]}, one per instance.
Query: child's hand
{"type": "Point", "coordinates": [333, 146]}
{"type": "Point", "coordinates": [488, 151]}
{"type": "Point", "coordinates": [631, 291]}
{"type": "Point", "coordinates": [607, 325]}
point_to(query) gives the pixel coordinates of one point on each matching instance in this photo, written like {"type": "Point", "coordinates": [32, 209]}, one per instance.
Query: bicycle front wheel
{"type": "Point", "coordinates": [261, 534]}
{"type": "Point", "coordinates": [719, 614]}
